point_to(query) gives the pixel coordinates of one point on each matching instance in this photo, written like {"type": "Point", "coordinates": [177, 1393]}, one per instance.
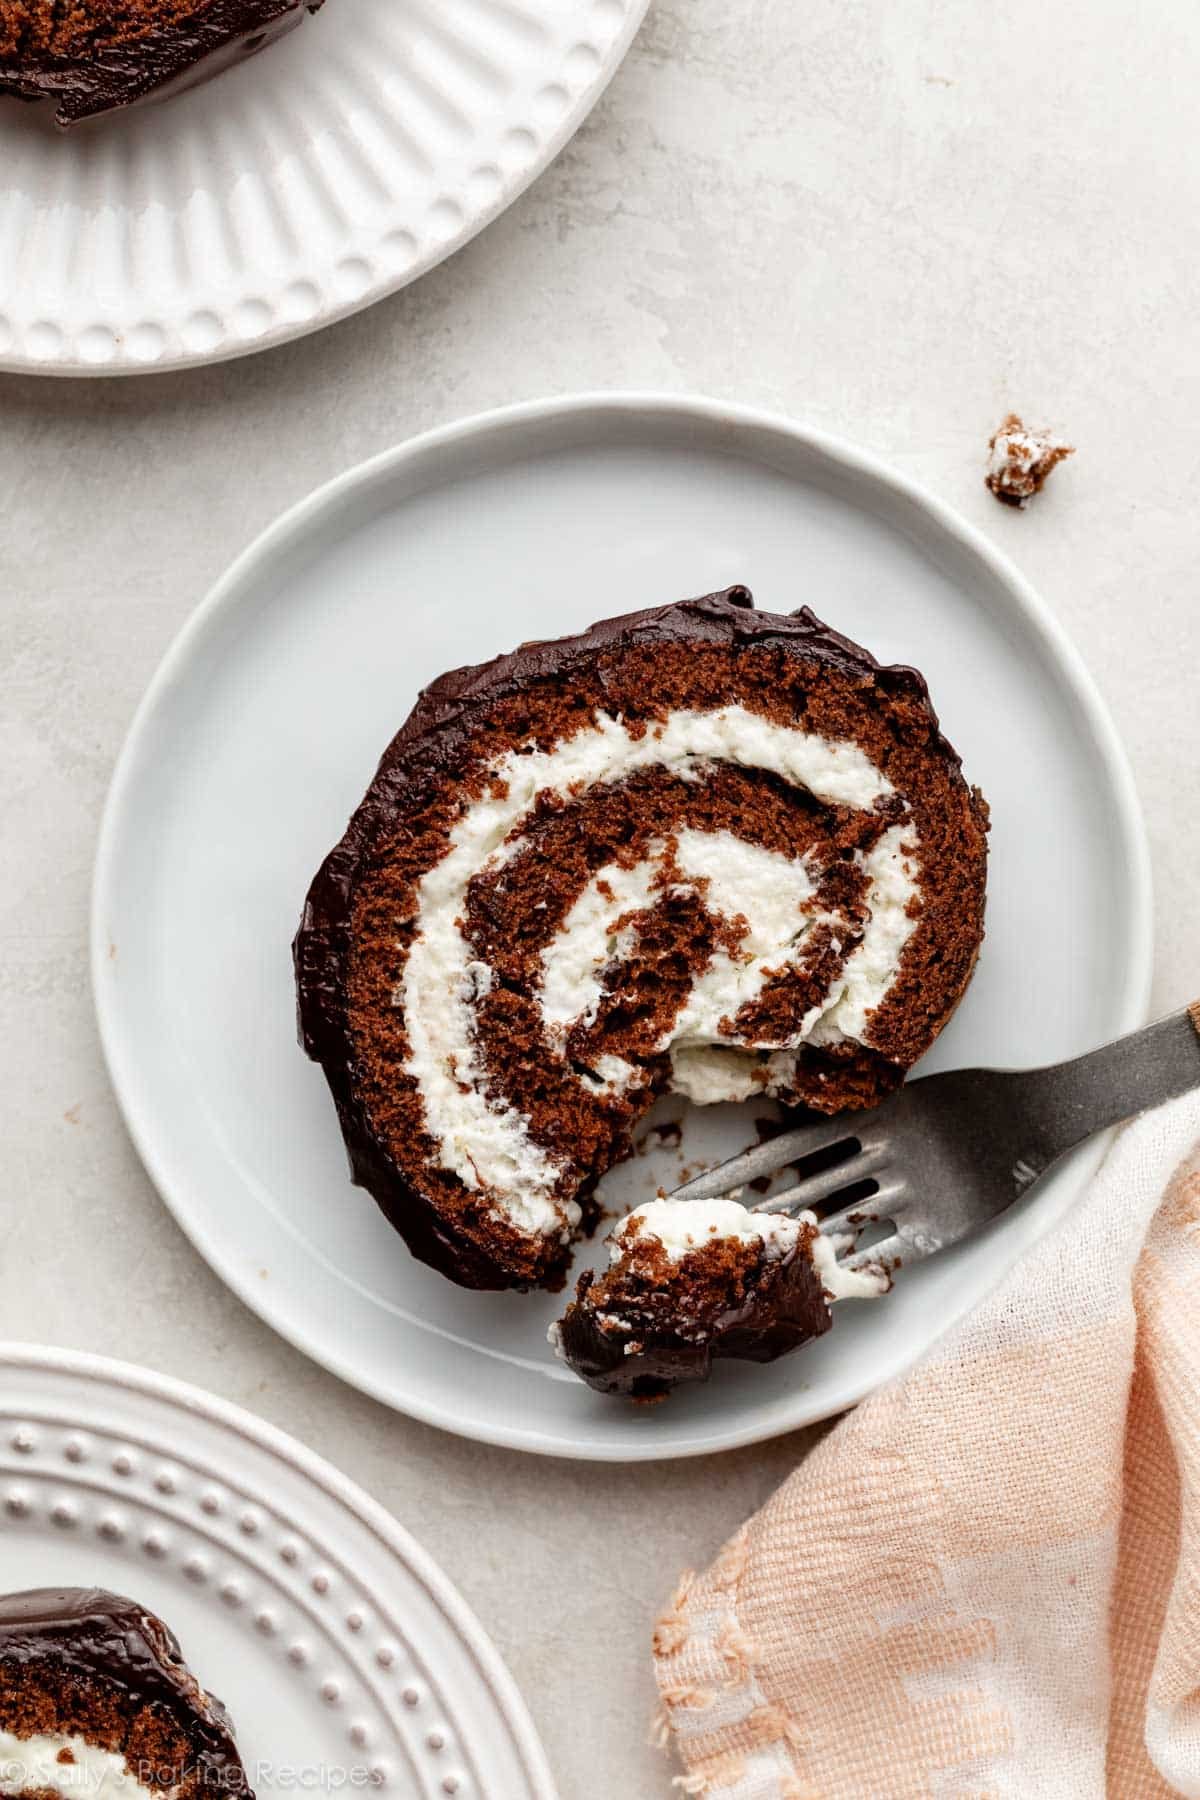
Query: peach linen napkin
{"type": "Point", "coordinates": [985, 1582]}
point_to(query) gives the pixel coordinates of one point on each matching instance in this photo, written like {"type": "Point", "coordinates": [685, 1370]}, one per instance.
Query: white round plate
{"type": "Point", "coordinates": [347, 1660]}
{"type": "Point", "coordinates": [263, 727]}
{"type": "Point", "coordinates": [343, 162]}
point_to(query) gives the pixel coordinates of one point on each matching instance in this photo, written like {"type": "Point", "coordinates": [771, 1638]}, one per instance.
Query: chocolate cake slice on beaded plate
{"type": "Point", "coordinates": [96, 56]}
{"type": "Point", "coordinates": [96, 1701]}
{"type": "Point", "coordinates": [701, 848]}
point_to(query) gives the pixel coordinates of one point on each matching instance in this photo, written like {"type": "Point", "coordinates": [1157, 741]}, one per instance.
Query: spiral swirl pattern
{"type": "Point", "coordinates": [700, 849]}
{"type": "Point", "coordinates": [716, 924]}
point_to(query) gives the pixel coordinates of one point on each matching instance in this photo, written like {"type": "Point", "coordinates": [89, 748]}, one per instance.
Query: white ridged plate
{"type": "Point", "coordinates": [309, 181]}
{"type": "Point", "coordinates": [336, 1643]}
{"type": "Point", "coordinates": [263, 727]}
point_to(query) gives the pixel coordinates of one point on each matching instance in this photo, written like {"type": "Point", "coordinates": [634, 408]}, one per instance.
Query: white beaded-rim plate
{"type": "Point", "coordinates": [349, 1663]}
{"type": "Point", "coordinates": [264, 725]}
{"type": "Point", "coordinates": [309, 181]}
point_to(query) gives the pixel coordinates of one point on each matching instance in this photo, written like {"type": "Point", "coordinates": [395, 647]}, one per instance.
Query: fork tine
{"type": "Point", "coordinates": [768, 1159]}
{"type": "Point", "coordinates": [852, 1218]}
{"type": "Point", "coordinates": [813, 1188]}
{"type": "Point", "coordinates": [881, 1253]}
{"type": "Point", "coordinates": [850, 1221]}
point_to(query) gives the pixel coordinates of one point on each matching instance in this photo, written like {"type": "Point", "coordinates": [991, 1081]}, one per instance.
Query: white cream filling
{"type": "Point", "coordinates": [482, 1138]}
{"type": "Point", "coordinates": [589, 938]}
{"type": "Point", "coordinates": [682, 1226]}
{"type": "Point", "coordinates": [29, 1763]}
{"type": "Point", "coordinates": [709, 1075]}
{"type": "Point", "coordinates": [840, 1283]}
{"type": "Point", "coordinates": [769, 892]}
{"type": "Point", "coordinates": [706, 1075]}
{"type": "Point", "coordinates": [766, 890]}
{"type": "Point", "coordinates": [1013, 453]}
{"type": "Point", "coordinates": [871, 967]}
{"type": "Point", "coordinates": [1016, 453]}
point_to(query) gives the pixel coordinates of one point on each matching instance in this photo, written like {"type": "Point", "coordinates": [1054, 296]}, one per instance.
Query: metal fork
{"type": "Point", "coordinates": [947, 1153]}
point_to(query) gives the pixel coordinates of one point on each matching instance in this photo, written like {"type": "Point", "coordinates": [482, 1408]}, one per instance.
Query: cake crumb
{"type": "Point", "coordinates": [1021, 461]}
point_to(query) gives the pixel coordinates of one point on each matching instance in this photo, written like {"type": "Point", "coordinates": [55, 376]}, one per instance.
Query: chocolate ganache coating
{"type": "Point", "coordinates": [101, 57]}
{"type": "Point", "coordinates": [713, 651]}
{"type": "Point", "coordinates": [644, 1356]}
{"type": "Point", "coordinates": [95, 1635]}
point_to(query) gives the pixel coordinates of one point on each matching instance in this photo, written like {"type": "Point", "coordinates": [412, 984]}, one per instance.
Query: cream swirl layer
{"type": "Point", "coordinates": [480, 1135]}
{"type": "Point", "coordinates": [775, 897]}
{"type": "Point", "coordinates": [770, 892]}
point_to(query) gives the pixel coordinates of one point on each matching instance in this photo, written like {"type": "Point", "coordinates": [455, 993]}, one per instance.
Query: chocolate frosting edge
{"type": "Point", "coordinates": [90, 1631]}
{"type": "Point", "coordinates": [783, 1313]}
{"type": "Point", "coordinates": [168, 59]}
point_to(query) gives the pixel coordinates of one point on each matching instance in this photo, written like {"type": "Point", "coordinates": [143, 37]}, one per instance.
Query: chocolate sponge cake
{"type": "Point", "coordinates": [701, 848]}
{"type": "Point", "coordinates": [96, 1699]}
{"type": "Point", "coordinates": [95, 56]}
{"type": "Point", "coordinates": [693, 1280]}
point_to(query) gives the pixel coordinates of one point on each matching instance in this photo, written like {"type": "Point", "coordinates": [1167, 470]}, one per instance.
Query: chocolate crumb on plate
{"type": "Point", "coordinates": [1022, 460]}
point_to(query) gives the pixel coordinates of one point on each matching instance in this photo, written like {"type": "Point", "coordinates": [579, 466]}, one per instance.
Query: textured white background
{"type": "Point", "coordinates": [891, 221]}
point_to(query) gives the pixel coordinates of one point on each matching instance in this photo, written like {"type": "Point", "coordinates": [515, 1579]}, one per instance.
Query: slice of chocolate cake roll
{"type": "Point", "coordinates": [96, 56]}
{"type": "Point", "coordinates": [692, 1280]}
{"type": "Point", "coordinates": [95, 1699]}
{"type": "Point", "coordinates": [702, 849]}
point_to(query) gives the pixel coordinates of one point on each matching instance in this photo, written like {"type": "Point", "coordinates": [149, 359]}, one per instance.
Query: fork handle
{"type": "Point", "coordinates": [1069, 1101]}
